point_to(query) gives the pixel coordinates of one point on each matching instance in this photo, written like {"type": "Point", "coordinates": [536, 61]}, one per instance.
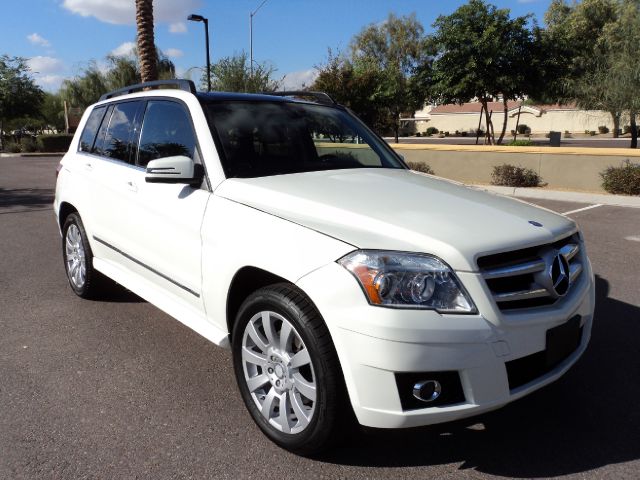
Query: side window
{"type": "Point", "coordinates": [99, 142]}
{"type": "Point", "coordinates": [118, 136]}
{"type": "Point", "coordinates": [166, 132]}
{"type": "Point", "coordinates": [90, 129]}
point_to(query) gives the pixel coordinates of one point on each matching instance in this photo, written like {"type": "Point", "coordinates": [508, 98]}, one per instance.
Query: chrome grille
{"type": "Point", "coordinates": [531, 277]}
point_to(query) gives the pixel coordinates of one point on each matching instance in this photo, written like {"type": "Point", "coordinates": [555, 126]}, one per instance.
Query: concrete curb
{"type": "Point", "coordinates": [35, 154]}
{"type": "Point", "coordinates": [578, 197]}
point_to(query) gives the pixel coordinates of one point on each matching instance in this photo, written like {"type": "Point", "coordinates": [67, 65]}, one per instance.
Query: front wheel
{"type": "Point", "coordinates": [287, 369]}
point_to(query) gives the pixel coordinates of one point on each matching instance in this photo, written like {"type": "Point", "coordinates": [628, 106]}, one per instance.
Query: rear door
{"type": "Point", "coordinates": [112, 160]}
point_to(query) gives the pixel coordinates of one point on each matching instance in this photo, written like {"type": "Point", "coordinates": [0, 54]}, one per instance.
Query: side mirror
{"type": "Point", "coordinates": [178, 169]}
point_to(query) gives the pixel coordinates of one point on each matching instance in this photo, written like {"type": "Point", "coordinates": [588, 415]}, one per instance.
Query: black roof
{"type": "Point", "coordinates": [189, 86]}
{"type": "Point", "coordinates": [233, 96]}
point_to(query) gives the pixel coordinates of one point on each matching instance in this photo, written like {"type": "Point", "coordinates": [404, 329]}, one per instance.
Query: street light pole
{"type": "Point", "coordinates": [200, 18]}
{"type": "Point", "coordinates": [251, 15]}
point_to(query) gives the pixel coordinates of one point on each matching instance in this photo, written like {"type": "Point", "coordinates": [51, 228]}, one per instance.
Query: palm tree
{"type": "Point", "coordinates": [146, 44]}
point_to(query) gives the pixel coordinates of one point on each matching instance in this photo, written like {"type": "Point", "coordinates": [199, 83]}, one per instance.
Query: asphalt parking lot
{"type": "Point", "coordinates": [117, 389]}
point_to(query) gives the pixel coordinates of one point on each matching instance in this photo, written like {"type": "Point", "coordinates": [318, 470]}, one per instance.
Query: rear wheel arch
{"type": "Point", "coordinates": [65, 210]}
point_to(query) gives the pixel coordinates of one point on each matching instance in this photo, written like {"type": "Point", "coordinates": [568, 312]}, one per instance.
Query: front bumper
{"type": "Point", "coordinates": [374, 344]}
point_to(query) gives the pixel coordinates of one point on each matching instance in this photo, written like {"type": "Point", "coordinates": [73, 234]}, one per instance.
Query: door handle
{"type": "Point", "coordinates": [132, 186]}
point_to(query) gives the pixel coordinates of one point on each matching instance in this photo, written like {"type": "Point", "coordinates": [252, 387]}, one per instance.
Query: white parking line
{"type": "Point", "coordinates": [583, 209]}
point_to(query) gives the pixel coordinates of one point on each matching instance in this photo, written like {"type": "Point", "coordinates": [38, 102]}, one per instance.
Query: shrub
{"type": "Point", "coordinates": [512, 176]}
{"type": "Point", "coordinates": [28, 145]}
{"type": "Point", "coordinates": [420, 167]}
{"type": "Point", "coordinates": [54, 143]}
{"type": "Point", "coordinates": [624, 179]}
{"type": "Point", "coordinates": [12, 147]}
{"type": "Point", "coordinates": [603, 129]}
{"type": "Point", "coordinates": [432, 130]}
{"type": "Point", "coordinates": [463, 133]}
{"type": "Point", "coordinates": [592, 133]}
{"type": "Point", "coordinates": [627, 129]}
{"type": "Point", "coordinates": [418, 134]}
{"type": "Point", "coordinates": [520, 143]}
{"type": "Point", "coordinates": [479, 132]}
{"type": "Point", "coordinates": [522, 128]}
{"type": "Point", "coordinates": [446, 134]}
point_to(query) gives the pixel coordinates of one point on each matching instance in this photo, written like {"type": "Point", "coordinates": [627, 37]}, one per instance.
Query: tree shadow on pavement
{"type": "Point", "coordinates": [586, 420]}
{"type": "Point", "coordinates": [30, 198]}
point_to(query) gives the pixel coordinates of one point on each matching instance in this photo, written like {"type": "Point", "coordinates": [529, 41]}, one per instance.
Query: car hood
{"type": "Point", "coordinates": [395, 209]}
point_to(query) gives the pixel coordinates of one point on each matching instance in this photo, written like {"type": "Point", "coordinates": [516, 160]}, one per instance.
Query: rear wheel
{"type": "Point", "coordinates": [84, 280]}
{"type": "Point", "coordinates": [287, 369]}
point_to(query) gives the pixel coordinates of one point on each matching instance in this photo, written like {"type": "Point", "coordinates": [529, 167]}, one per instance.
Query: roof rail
{"type": "Point", "coordinates": [186, 85]}
{"type": "Point", "coordinates": [319, 97]}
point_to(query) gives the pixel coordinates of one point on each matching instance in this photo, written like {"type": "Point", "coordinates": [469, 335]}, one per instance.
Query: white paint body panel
{"type": "Point", "coordinates": [180, 248]}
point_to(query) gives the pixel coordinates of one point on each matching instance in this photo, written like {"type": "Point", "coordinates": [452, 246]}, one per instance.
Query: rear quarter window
{"type": "Point", "coordinates": [91, 129]}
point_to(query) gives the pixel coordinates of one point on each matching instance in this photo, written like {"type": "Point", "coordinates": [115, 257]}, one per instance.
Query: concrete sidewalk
{"type": "Point", "coordinates": [567, 196]}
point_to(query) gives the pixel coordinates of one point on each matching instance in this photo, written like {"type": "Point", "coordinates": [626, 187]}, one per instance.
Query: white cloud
{"type": "Point", "coordinates": [45, 65]}
{"type": "Point", "coordinates": [178, 27]}
{"type": "Point", "coordinates": [173, 52]}
{"type": "Point", "coordinates": [124, 11]}
{"type": "Point", "coordinates": [51, 83]}
{"type": "Point", "coordinates": [124, 50]}
{"type": "Point", "coordinates": [38, 40]}
{"type": "Point", "coordinates": [299, 79]}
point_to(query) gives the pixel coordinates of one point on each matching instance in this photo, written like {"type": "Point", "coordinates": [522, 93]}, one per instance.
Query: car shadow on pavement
{"type": "Point", "coordinates": [33, 198]}
{"type": "Point", "coordinates": [586, 420]}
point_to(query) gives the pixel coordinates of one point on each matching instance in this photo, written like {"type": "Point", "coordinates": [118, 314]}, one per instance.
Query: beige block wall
{"type": "Point", "coordinates": [552, 120]}
{"type": "Point", "coordinates": [561, 168]}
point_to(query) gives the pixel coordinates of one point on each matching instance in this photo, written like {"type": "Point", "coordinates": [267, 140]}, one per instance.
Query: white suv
{"type": "Point", "coordinates": [342, 281]}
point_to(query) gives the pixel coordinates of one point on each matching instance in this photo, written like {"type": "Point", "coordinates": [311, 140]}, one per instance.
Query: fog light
{"type": "Point", "coordinates": [427, 390]}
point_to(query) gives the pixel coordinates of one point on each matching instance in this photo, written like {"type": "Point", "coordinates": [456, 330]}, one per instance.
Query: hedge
{"type": "Point", "coordinates": [54, 143]}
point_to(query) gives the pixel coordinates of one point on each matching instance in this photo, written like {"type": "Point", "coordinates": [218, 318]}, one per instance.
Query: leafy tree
{"type": "Point", "coordinates": [87, 87]}
{"type": "Point", "coordinates": [598, 41]}
{"type": "Point", "coordinates": [19, 94]}
{"type": "Point", "coordinates": [145, 41]}
{"type": "Point", "coordinates": [233, 74]}
{"type": "Point", "coordinates": [483, 53]}
{"type": "Point", "coordinates": [355, 85]}
{"type": "Point", "coordinates": [393, 50]}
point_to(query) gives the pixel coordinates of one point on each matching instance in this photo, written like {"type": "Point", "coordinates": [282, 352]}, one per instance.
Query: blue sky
{"type": "Point", "coordinates": [62, 36]}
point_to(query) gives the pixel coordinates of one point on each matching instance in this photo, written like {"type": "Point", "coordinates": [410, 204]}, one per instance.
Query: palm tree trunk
{"type": "Point", "coordinates": [145, 40]}
{"type": "Point", "coordinates": [634, 130]}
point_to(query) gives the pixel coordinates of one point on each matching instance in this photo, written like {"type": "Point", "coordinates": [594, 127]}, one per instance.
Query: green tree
{"type": "Point", "coordinates": [93, 81]}
{"type": "Point", "coordinates": [393, 50]}
{"type": "Point", "coordinates": [355, 86]}
{"type": "Point", "coordinates": [482, 54]}
{"type": "Point", "coordinates": [598, 41]}
{"type": "Point", "coordinates": [233, 74]}
{"type": "Point", "coordinates": [19, 94]}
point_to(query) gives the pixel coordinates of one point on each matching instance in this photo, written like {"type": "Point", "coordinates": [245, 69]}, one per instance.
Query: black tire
{"type": "Point", "coordinates": [93, 285]}
{"type": "Point", "coordinates": [332, 411]}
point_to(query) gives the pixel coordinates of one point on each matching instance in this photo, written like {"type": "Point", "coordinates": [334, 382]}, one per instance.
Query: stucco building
{"type": "Point", "coordinates": [539, 118]}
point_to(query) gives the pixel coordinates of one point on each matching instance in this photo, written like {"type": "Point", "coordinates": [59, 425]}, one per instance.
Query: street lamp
{"type": "Point", "coordinates": [200, 18]}
{"type": "Point", "coordinates": [251, 15]}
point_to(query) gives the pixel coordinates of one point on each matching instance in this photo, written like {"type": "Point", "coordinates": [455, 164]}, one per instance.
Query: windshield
{"type": "Point", "coordinates": [273, 138]}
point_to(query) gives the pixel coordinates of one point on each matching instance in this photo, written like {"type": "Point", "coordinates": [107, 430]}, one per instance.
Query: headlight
{"type": "Point", "coordinates": [408, 280]}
